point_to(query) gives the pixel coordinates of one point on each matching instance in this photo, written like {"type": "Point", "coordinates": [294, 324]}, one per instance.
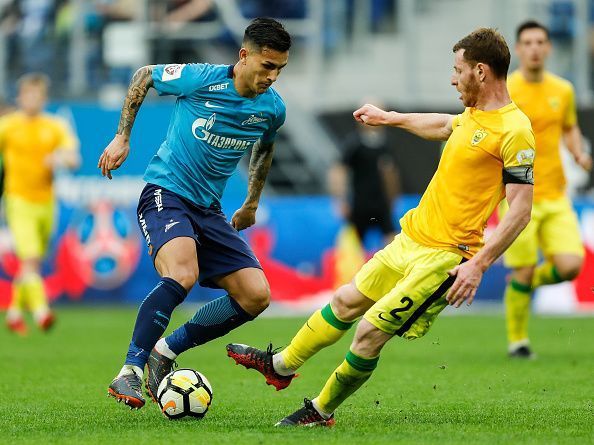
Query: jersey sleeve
{"type": "Point", "coordinates": [270, 135]}
{"type": "Point", "coordinates": [517, 154]}
{"type": "Point", "coordinates": [570, 118]}
{"type": "Point", "coordinates": [458, 119]}
{"type": "Point", "coordinates": [179, 79]}
{"type": "Point", "coordinates": [66, 140]}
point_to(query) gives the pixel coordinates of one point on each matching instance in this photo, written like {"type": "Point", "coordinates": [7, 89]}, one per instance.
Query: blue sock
{"type": "Point", "coordinates": [213, 320]}
{"type": "Point", "coordinates": [153, 318]}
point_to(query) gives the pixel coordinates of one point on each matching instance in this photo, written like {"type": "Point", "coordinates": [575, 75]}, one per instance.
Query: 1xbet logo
{"type": "Point", "coordinates": [158, 200]}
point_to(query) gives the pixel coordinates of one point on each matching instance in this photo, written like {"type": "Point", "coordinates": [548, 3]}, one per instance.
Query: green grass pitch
{"type": "Point", "coordinates": [454, 386]}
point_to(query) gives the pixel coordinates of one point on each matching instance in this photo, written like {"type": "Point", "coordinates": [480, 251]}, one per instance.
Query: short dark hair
{"type": "Point", "coordinates": [265, 32]}
{"type": "Point", "coordinates": [35, 78]}
{"type": "Point", "coordinates": [530, 24]}
{"type": "Point", "coordinates": [486, 45]}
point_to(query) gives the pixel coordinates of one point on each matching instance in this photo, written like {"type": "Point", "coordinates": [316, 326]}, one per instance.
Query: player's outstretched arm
{"type": "Point", "coordinates": [117, 151]}
{"type": "Point", "coordinates": [432, 126]}
{"type": "Point", "coordinates": [469, 274]}
{"type": "Point", "coordinates": [260, 163]}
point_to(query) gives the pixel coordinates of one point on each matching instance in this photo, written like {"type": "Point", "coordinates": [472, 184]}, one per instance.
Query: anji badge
{"type": "Point", "coordinates": [478, 136]}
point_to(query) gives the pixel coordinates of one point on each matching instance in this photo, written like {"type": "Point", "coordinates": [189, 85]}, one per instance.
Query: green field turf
{"type": "Point", "coordinates": [454, 386]}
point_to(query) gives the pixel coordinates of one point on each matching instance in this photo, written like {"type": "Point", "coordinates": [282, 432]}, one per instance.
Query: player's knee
{"type": "Point", "coordinates": [255, 298]}
{"type": "Point", "coordinates": [524, 275]}
{"type": "Point", "coordinates": [186, 275]}
{"type": "Point", "coordinates": [570, 269]}
{"type": "Point", "coordinates": [343, 304]}
{"type": "Point", "coordinates": [368, 340]}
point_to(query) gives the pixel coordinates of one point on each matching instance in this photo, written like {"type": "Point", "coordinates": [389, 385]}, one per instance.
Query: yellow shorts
{"type": "Point", "coordinates": [408, 282]}
{"type": "Point", "coordinates": [30, 224]}
{"type": "Point", "coordinates": [554, 228]}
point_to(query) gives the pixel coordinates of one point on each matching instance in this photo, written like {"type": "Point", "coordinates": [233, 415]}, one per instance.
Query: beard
{"type": "Point", "coordinates": [471, 92]}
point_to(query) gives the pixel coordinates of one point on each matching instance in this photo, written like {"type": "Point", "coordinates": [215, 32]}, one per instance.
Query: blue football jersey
{"type": "Point", "coordinates": [211, 128]}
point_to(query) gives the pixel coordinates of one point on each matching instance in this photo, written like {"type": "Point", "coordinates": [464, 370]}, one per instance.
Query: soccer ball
{"type": "Point", "coordinates": [184, 392]}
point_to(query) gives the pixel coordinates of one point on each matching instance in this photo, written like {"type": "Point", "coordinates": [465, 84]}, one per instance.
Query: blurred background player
{"type": "Point", "coordinates": [34, 145]}
{"type": "Point", "coordinates": [221, 112]}
{"type": "Point", "coordinates": [439, 257]}
{"type": "Point", "coordinates": [365, 182]}
{"type": "Point", "coordinates": [549, 102]}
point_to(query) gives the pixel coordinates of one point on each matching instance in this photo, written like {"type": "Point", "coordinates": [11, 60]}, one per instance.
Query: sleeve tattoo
{"type": "Point", "coordinates": [260, 163]}
{"type": "Point", "coordinates": [139, 86]}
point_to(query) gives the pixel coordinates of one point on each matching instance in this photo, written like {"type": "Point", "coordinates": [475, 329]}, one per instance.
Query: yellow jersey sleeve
{"type": "Point", "coordinates": [517, 154]}
{"type": "Point", "coordinates": [65, 137]}
{"type": "Point", "coordinates": [570, 118]}
{"type": "Point", "coordinates": [458, 119]}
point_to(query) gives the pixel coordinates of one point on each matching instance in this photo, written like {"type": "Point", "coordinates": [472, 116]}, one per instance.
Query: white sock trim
{"type": "Point", "coordinates": [279, 365]}
{"type": "Point", "coordinates": [325, 415]}
{"type": "Point", "coordinates": [14, 314]}
{"type": "Point", "coordinates": [518, 344]}
{"type": "Point", "coordinates": [129, 369]}
{"type": "Point", "coordinates": [40, 314]}
{"type": "Point", "coordinates": [163, 348]}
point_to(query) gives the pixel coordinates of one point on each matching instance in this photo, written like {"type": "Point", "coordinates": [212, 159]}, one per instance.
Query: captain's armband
{"type": "Point", "coordinates": [522, 174]}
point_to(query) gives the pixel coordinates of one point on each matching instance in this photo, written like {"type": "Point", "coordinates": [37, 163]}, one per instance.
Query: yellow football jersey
{"type": "Point", "coordinates": [25, 144]}
{"type": "Point", "coordinates": [550, 106]}
{"type": "Point", "coordinates": [485, 150]}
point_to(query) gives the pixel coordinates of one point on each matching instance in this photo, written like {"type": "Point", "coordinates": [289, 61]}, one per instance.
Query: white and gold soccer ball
{"type": "Point", "coordinates": [184, 392]}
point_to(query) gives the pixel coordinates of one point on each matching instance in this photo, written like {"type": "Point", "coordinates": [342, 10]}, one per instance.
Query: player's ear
{"type": "Point", "coordinates": [243, 53]}
{"type": "Point", "coordinates": [481, 71]}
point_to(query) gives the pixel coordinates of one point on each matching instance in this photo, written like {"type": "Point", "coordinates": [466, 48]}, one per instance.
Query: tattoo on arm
{"type": "Point", "coordinates": [139, 86]}
{"type": "Point", "coordinates": [260, 163]}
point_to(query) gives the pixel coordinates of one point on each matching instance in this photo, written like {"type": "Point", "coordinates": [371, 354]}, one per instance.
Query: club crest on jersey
{"type": "Point", "coordinates": [525, 157]}
{"type": "Point", "coordinates": [478, 136]}
{"type": "Point", "coordinates": [201, 131]}
{"type": "Point", "coordinates": [172, 72]}
{"type": "Point", "coordinates": [554, 103]}
{"type": "Point", "coordinates": [253, 119]}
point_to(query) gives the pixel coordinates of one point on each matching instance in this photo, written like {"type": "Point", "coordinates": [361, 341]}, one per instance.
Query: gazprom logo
{"type": "Point", "coordinates": [201, 131]}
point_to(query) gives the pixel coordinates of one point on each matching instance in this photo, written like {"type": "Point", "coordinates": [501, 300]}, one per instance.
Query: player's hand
{"type": "Point", "coordinates": [584, 160]}
{"type": "Point", "coordinates": [114, 155]}
{"type": "Point", "coordinates": [371, 115]}
{"type": "Point", "coordinates": [468, 277]}
{"type": "Point", "coordinates": [53, 160]}
{"type": "Point", "coordinates": [243, 218]}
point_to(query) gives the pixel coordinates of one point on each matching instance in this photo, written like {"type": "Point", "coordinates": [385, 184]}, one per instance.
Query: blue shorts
{"type": "Point", "coordinates": [164, 215]}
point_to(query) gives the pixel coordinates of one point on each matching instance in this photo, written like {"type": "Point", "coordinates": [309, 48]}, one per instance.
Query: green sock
{"type": "Point", "coordinates": [545, 274]}
{"type": "Point", "coordinates": [344, 381]}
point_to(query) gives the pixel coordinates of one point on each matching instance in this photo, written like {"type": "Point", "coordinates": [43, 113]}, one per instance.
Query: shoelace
{"type": "Point", "coordinates": [312, 415]}
{"type": "Point", "coordinates": [133, 382]}
{"type": "Point", "coordinates": [271, 351]}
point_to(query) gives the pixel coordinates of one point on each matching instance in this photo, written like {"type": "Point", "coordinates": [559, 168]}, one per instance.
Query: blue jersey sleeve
{"type": "Point", "coordinates": [179, 79]}
{"type": "Point", "coordinates": [270, 135]}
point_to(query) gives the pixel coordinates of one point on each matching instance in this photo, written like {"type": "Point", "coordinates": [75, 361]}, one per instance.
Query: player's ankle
{"type": "Point", "coordinates": [13, 314]}
{"type": "Point", "coordinates": [279, 365]}
{"type": "Point", "coordinates": [321, 412]}
{"type": "Point", "coordinates": [163, 348]}
{"type": "Point", "coordinates": [41, 314]}
{"type": "Point", "coordinates": [129, 369]}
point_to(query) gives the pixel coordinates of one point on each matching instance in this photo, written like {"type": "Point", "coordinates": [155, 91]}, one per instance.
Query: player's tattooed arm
{"type": "Point", "coordinates": [117, 151]}
{"type": "Point", "coordinates": [260, 163]}
{"type": "Point", "coordinates": [139, 86]}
